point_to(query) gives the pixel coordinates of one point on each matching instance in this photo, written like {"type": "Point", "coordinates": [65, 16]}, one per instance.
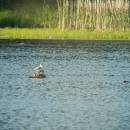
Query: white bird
{"type": "Point", "coordinates": [40, 67]}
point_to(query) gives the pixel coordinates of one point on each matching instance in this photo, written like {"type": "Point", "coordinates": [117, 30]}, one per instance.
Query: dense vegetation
{"type": "Point", "coordinates": [112, 15]}
{"type": "Point", "coordinates": [93, 14]}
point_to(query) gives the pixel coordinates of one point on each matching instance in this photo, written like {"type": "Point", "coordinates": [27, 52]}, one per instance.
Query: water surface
{"type": "Point", "coordinates": [87, 86]}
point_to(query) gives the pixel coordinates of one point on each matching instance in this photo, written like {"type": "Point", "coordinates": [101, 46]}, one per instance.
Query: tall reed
{"type": "Point", "coordinates": [94, 14]}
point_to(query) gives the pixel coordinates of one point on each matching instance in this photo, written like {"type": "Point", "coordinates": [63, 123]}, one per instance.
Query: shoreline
{"type": "Point", "coordinates": [60, 41]}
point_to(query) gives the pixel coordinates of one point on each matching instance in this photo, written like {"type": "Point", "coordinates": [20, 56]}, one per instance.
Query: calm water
{"type": "Point", "coordinates": [84, 88]}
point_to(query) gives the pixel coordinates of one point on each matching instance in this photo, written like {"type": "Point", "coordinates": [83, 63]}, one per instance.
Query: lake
{"type": "Point", "coordinates": [87, 86]}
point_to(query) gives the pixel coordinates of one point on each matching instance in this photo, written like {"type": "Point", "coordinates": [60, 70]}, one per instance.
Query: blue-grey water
{"type": "Point", "coordinates": [87, 86]}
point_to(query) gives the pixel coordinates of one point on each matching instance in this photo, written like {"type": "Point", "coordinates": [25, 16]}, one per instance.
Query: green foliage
{"type": "Point", "coordinates": [41, 16]}
{"type": "Point", "coordinates": [10, 18]}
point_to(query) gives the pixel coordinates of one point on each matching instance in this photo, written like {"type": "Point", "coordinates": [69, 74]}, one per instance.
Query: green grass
{"type": "Point", "coordinates": [53, 33]}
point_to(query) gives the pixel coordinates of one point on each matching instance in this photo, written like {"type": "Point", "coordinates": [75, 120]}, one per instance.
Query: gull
{"type": "Point", "coordinates": [38, 72]}
{"type": "Point", "coordinates": [40, 67]}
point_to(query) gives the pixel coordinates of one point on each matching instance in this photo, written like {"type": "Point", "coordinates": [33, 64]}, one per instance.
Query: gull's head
{"type": "Point", "coordinates": [41, 65]}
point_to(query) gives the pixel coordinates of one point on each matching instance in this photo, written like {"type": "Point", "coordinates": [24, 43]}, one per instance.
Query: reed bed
{"type": "Point", "coordinates": [94, 14]}
{"type": "Point", "coordinates": [100, 15]}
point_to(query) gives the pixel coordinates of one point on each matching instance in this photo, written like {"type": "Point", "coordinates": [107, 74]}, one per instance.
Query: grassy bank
{"type": "Point", "coordinates": [36, 33]}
